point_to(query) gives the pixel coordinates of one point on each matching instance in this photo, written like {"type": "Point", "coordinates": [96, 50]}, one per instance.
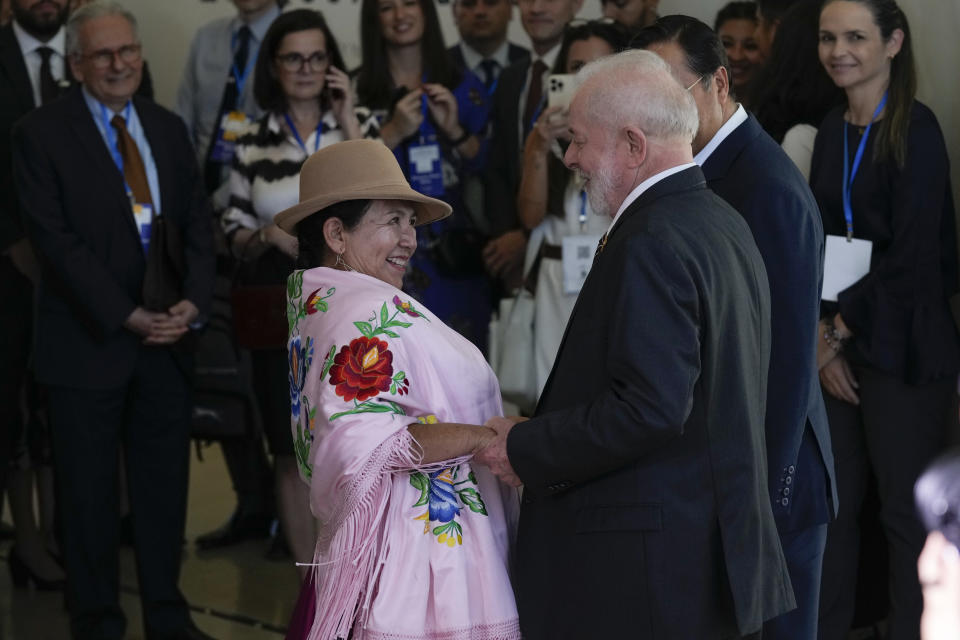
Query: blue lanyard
{"type": "Point", "coordinates": [293, 130]}
{"type": "Point", "coordinates": [850, 173]}
{"type": "Point", "coordinates": [241, 78]}
{"type": "Point", "coordinates": [112, 138]}
{"type": "Point", "coordinates": [493, 87]}
{"type": "Point", "coordinates": [537, 112]}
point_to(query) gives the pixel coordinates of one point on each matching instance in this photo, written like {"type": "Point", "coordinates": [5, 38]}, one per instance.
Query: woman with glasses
{"type": "Point", "coordinates": [889, 352]}
{"type": "Point", "coordinates": [432, 117]}
{"type": "Point", "coordinates": [300, 84]}
{"type": "Point", "coordinates": [551, 201]}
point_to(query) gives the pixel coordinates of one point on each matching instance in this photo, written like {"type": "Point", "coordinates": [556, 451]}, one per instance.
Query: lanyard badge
{"type": "Point", "coordinates": [425, 160]}
{"type": "Point", "coordinates": [296, 134]}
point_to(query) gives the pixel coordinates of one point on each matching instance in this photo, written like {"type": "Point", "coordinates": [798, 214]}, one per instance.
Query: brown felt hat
{"type": "Point", "coordinates": [355, 170]}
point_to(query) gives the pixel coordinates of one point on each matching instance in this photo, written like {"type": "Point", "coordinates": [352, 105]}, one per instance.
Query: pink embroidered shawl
{"type": "Point", "coordinates": [406, 552]}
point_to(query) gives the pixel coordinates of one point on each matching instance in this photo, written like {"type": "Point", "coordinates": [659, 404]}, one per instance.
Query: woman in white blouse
{"type": "Point", "coordinates": [300, 84]}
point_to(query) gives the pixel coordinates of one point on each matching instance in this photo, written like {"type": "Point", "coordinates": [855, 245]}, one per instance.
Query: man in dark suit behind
{"type": "Point", "coordinates": [519, 99]}
{"type": "Point", "coordinates": [483, 48]}
{"type": "Point", "coordinates": [745, 167]}
{"type": "Point", "coordinates": [112, 327]}
{"type": "Point", "coordinates": [644, 510]}
{"type": "Point", "coordinates": [32, 67]}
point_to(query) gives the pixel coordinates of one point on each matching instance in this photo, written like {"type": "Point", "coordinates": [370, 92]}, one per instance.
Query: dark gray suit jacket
{"type": "Point", "coordinates": [79, 221]}
{"type": "Point", "coordinates": [645, 511]}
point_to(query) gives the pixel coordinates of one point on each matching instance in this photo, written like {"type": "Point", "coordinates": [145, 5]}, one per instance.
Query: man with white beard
{"type": "Point", "coordinates": [644, 508]}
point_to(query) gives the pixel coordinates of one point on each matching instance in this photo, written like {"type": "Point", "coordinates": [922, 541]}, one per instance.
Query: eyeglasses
{"type": "Point", "coordinates": [294, 61]}
{"type": "Point", "coordinates": [695, 83]}
{"type": "Point", "coordinates": [103, 58]}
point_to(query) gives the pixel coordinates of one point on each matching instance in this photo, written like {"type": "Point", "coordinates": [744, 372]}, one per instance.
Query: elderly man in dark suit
{"type": "Point", "coordinates": [644, 509]}
{"type": "Point", "coordinates": [745, 167]}
{"type": "Point", "coordinates": [114, 206]}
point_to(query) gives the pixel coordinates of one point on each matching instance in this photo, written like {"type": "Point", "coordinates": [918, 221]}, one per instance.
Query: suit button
{"type": "Point", "coordinates": [791, 469]}
{"type": "Point", "coordinates": [785, 501]}
{"type": "Point", "coordinates": [786, 491]}
{"type": "Point", "coordinates": [789, 479]}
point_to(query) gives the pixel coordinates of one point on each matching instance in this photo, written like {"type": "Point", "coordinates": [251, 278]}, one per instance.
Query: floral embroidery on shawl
{"type": "Point", "coordinates": [441, 493]}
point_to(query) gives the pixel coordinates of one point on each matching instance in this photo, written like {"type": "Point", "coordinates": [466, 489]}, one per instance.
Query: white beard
{"type": "Point", "coordinates": [600, 188]}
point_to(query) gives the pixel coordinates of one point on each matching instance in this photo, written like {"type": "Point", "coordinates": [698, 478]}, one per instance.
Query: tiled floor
{"type": "Point", "coordinates": [235, 594]}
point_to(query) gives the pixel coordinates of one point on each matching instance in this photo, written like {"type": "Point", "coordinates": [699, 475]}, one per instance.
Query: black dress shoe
{"type": "Point", "coordinates": [238, 528]}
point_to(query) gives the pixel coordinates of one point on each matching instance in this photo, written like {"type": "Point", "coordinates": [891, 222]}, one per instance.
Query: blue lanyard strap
{"type": "Point", "coordinates": [112, 137]}
{"type": "Point", "coordinates": [293, 130]}
{"type": "Point", "coordinates": [537, 112]}
{"type": "Point", "coordinates": [850, 173]}
{"type": "Point", "coordinates": [241, 78]}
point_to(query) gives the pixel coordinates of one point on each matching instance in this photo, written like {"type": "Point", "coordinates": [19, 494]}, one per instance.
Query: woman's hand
{"type": "Point", "coordinates": [405, 121]}
{"type": "Point", "coordinates": [274, 236]}
{"type": "Point", "coordinates": [939, 571]}
{"type": "Point", "coordinates": [342, 102]}
{"type": "Point", "coordinates": [825, 353]}
{"type": "Point", "coordinates": [838, 380]}
{"type": "Point", "coordinates": [551, 125]}
{"type": "Point", "coordinates": [443, 108]}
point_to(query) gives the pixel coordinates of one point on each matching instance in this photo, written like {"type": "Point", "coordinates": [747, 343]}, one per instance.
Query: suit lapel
{"type": "Point", "coordinates": [96, 150]}
{"type": "Point", "coordinates": [11, 58]}
{"type": "Point", "coordinates": [690, 178]}
{"type": "Point", "coordinates": [718, 164]}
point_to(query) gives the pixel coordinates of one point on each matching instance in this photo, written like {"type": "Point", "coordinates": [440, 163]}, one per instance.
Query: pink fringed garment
{"type": "Point", "coordinates": [406, 552]}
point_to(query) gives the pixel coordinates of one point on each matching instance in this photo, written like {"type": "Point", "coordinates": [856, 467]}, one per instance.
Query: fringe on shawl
{"type": "Point", "coordinates": [351, 546]}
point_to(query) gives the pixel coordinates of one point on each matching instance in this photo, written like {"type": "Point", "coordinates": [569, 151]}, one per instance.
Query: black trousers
{"type": "Point", "coordinates": [16, 319]}
{"type": "Point", "coordinates": [149, 419]}
{"type": "Point", "coordinates": [896, 431]}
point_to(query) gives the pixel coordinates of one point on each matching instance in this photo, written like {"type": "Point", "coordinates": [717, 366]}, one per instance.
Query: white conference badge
{"type": "Point", "coordinates": [578, 254]}
{"type": "Point", "coordinates": [844, 263]}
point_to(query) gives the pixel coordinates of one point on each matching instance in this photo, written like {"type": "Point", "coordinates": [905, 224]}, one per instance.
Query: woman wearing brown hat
{"type": "Point", "coordinates": [384, 398]}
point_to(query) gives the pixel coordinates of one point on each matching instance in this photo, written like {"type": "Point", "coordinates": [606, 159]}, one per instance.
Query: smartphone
{"type": "Point", "coordinates": [560, 88]}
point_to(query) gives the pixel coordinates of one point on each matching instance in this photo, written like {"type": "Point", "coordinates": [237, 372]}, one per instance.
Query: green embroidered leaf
{"type": "Point", "coordinates": [389, 333]}
{"type": "Point", "coordinates": [471, 498]}
{"type": "Point", "coordinates": [442, 528]}
{"type": "Point", "coordinates": [329, 361]}
{"type": "Point", "coordinates": [313, 411]}
{"type": "Point", "coordinates": [422, 483]}
{"type": "Point", "coordinates": [399, 376]}
{"type": "Point", "coordinates": [384, 316]}
{"type": "Point", "coordinates": [321, 306]}
{"type": "Point", "coordinates": [472, 477]}
{"type": "Point", "coordinates": [393, 388]}
{"type": "Point", "coordinates": [365, 328]}
{"type": "Point", "coordinates": [368, 406]}
{"type": "Point", "coordinates": [456, 527]}
{"type": "Point", "coordinates": [397, 323]}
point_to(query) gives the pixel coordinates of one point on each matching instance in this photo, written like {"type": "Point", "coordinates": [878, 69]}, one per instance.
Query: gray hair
{"type": "Point", "coordinates": [92, 11]}
{"type": "Point", "coordinates": [637, 88]}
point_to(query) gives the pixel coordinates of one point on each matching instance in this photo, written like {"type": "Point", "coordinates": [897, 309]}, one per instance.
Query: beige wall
{"type": "Point", "coordinates": [168, 25]}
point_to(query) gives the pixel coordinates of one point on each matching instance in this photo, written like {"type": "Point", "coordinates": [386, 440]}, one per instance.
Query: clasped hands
{"type": "Point", "coordinates": [162, 328]}
{"type": "Point", "coordinates": [492, 452]}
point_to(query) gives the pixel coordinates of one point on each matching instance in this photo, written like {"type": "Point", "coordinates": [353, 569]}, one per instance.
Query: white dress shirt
{"type": "Point", "coordinates": [472, 58]}
{"type": "Point", "coordinates": [738, 118]}
{"type": "Point", "coordinates": [32, 58]}
{"type": "Point", "coordinates": [643, 186]}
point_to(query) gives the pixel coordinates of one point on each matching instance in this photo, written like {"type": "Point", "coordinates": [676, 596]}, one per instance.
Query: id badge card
{"type": "Point", "coordinates": [232, 125]}
{"type": "Point", "coordinates": [844, 263]}
{"type": "Point", "coordinates": [426, 169]}
{"type": "Point", "coordinates": [143, 218]}
{"type": "Point", "coordinates": [577, 259]}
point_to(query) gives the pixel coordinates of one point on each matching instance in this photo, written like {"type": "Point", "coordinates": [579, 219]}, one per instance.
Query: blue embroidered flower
{"type": "Point", "coordinates": [444, 505]}
{"type": "Point", "coordinates": [299, 357]}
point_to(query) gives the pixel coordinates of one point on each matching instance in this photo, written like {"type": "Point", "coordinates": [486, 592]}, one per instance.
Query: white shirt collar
{"type": "Point", "coordinates": [643, 186]}
{"type": "Point", "coordinates": [258, 28]}
{"type": "Point", "coordinates": [472, 58]}
{"type": "Point", "coordinates": [549, 58]}
{"type": "Point", "coordinates": [29, 44]}
{"type": "Point", "coordinates": [738, 118]}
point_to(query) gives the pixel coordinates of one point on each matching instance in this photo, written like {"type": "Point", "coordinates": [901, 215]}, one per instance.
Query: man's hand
{"type": "Point", "coordinates": [162, 328]}
{"type": "Point", "coordinates": [504, 254]}
{"type": "Point", "coordinates": [494, 455]}
{"type": "Point", "coordinates": [143, 322]}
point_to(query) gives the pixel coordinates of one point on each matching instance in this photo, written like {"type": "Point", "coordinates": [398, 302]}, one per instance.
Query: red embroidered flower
{"type": "Point", "coordinates": [362, 370]}
{"type": "Point", "coordinates": [405, 307]}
